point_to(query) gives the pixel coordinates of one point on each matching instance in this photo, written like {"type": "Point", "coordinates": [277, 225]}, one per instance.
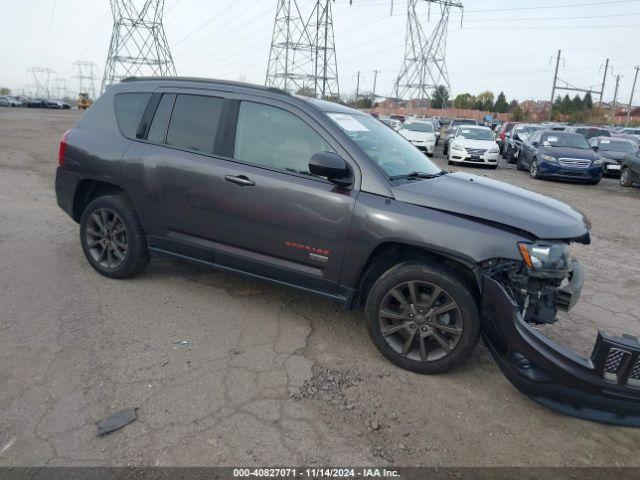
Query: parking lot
{"type": "Point", "coordinates": [230, 371]}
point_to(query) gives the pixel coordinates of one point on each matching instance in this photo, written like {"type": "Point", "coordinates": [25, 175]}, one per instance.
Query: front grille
{"type": "Point", "coordinates": [476, 151]}
{"type": "Point", "coordinates": [614, 359]}
{"type": "Point", "coordinates": [635, 371]}
{"type": "Point", "coordinates": [574, 162]}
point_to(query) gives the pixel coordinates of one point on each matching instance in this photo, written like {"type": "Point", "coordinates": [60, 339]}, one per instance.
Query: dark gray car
{"type": "Point", "coordinates": [326, 199]}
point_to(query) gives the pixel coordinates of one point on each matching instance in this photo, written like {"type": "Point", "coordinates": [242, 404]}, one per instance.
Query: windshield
{"type": "Point", "coordinates": [418, 127]}
{"type": "Point", "coordinates": [618, 146]}
{"type": "Point", "coordinates": [474, 133]}
{"type": "Point", "coordinates": [464, 121]}
{"type": "Point", "coordinates": [395, 155]}
{"type": "Point", "coordinates": [571, 140]}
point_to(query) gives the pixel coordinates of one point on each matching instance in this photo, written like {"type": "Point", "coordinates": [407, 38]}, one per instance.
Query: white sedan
{"type": "Point", "coordinates": [474, 145]}
{"type": "Point", "coordinates": [420, 134]}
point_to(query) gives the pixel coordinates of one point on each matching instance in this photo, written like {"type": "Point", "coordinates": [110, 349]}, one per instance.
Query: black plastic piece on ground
{"type": "Point", "coordinates": [603, 388]}
{"type": "Point", "coordinates": [116, 421]}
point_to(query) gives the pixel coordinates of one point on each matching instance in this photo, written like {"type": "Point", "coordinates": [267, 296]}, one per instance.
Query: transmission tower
{"type": "Point", "coordinates": [424, 66]}
{"type": "Point", "coordinates": [61, 88]}
{"type": "Point", "coordinates": [41, 77]}
{"type": "Point", "coordinates": [87, 76]}
{"type": "Point", "coordinates": [303, 56]}
{"type": "Point", "coordinates": [325, 73]}
{"type": "Point", "coordinates": [291, 54]}
{"type": "Point", "coordinates": [138, 43]}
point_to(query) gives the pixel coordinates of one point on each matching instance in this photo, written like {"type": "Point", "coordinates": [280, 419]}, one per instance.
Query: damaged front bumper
{"type": "Point", "coordinates": [603, 388]}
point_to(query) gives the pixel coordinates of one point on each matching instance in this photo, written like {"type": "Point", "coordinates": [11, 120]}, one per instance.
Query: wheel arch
{"type": "Point", "coordinates": [88, 190]}
{"type": "Point", "coordinates": [388, 254]}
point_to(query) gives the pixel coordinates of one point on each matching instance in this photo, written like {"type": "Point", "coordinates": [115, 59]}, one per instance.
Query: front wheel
{"type": "Point", "coordinates": [533, 170]}
{"type": "Point", "coordinates": [112, 238]}
{"type": "Point", "coordinates": [625, 177]}
{"type": "Point", "coordinates": [423, 318]}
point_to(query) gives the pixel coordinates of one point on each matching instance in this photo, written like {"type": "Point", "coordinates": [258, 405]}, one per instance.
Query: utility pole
{"type": "Point", "coordinates": [555, 79]}
{"type": "Point", "coordinates": [358, 86]}
{"type": "Point", "coordinates": [604, 79]}
{"type": "Point", "coordinates": [615, 98]}
{"type": "Point", "coordinates": [373, 93]}
{"type": "Point", "coordinates": [633, 89]}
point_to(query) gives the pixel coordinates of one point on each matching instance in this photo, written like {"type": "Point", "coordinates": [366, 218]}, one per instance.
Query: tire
{"type": "Point", "coordinates": [519, 165]}
{"type": "Point", "coordinates": [594, 182]}
{"type": "Point", "coordinates": [451, 162]}
{"type": "Point", "coordinates": [625, 177]}
{"type": "Point", "coordinates": [463, 318]}
{"type": "Point", "coordinates": [533, 170]}
{"type": "Point", "coordinates": [125, 235]}
{"type": "Point", "coordinates": [510, 158]}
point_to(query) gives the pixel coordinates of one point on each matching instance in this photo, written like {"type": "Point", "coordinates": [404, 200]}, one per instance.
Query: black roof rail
{"type": "Point", "coordinates": [206, 80]}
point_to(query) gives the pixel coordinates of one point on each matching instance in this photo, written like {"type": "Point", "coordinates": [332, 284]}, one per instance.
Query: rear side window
{"type": "Point", "coordinates": [194, 122]}
{"type": "Point", "coordinates": [129, 109]}
{"type": "Point", "coordinates": [275, 138]}
{"type": "Point", "coordinates": [158, 127]}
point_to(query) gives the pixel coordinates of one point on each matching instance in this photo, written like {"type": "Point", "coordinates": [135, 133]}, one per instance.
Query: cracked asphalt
{"type": "Point", "coordinates": [230, 371]}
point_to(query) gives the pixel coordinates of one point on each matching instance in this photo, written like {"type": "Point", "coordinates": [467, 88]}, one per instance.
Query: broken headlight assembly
{"type": "Point", "coordinates": [547, 259]}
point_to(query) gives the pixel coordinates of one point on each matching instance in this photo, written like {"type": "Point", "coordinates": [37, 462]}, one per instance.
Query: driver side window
{"type": "Point", "coordinates": [272, 137]}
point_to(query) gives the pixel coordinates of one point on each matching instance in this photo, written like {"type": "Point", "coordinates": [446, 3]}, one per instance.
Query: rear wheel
{"type": "Point", "coordinates": [423, 318]}
{"type": "Point", "coordinates": [112, 238]}
{"type": "Point", "coordinates": [625, 177]}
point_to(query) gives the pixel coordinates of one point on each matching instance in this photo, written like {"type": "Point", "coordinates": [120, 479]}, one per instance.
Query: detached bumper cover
{"type": "Point", "coordinates": [603, 388]}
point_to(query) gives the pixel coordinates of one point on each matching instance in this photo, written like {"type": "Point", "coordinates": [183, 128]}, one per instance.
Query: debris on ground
{"type": "Point", "coordinates": [329, 386]}
{"type": "Point", "coordinates": [183, 343]}
{"type": "Point", "coordinates": [116, 421]}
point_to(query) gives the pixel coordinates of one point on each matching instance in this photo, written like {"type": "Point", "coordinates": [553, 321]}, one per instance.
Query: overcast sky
{"type": "Point", "coordinates": [501, 45]}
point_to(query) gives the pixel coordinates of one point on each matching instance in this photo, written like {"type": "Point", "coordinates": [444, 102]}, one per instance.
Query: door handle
{"type": "Point", "coordinates": [240, 180]}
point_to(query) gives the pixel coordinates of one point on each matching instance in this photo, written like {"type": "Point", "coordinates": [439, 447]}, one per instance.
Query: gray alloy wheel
{"type": "Point", "coordinates": [533, 169]}
{"type": "Point", "coordinates": [420, 321]}
{"type": "Point", "coordinates": [625, 177]}
{"type": "Point", "coordinates": [106, 238]}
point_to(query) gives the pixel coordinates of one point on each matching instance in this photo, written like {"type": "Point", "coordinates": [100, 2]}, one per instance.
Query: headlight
{"type": "Point", "coordinates": [546, 257]}
{"type": "Point", "coordinates": [494, 150]}
{"type": "Point", "coordinates": [548, 158]}
{"type": "Point", "coordinates": [597, 162]}
{"type": "Point", "coordinates": [455, 146]}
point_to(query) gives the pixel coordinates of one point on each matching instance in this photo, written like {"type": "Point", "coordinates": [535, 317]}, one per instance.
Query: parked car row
{"type": "Point", "coordinates": [571, 152]}
{"type": "Point", "coordinates": [9, 101]}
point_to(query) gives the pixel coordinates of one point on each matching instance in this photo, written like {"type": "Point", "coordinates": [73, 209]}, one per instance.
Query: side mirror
{"type": "Point", "coordinates": [595, 148]}
{"type": "Point", "coordinates": [332, 166]}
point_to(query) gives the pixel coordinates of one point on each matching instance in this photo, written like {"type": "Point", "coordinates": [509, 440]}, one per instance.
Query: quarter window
{"type": "Point", "coordinates": [129, 109]}
{"type": "Point", "coordinates": [194, 122]}
{"type": "Point", "coordinates": [275, 138]}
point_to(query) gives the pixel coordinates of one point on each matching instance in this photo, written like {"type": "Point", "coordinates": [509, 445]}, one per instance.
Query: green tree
{"type": "Point", "coordinates": [588, 101]}
{"type": "Point", "coordinates": [439, 97]}
{"type": "Point", "coordinates": [565, 105]}
{"type": "Point", "coordinates": [501, 105]}
{"type": "Point", "coordinates": [513, 105]}
{"type": "Point", "coordinates": [484, 101]}
{"type": "Point", "coordinates": [576, 104]}
{"type": "Point", "coordinates": [5, 91]}
{"type": "Point", "coordinates": [306, 92]}
{"type": "Point", "coordinates": [464, 101]}
{"type": "Point", "coordinates": [517, 114]}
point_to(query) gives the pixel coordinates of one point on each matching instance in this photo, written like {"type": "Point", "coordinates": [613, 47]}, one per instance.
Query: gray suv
{"type": "Point", "coordinates": [323, 198]}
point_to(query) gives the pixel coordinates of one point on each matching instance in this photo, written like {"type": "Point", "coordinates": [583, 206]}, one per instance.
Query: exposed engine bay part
{"type": "Point", "coordinates": [603, 388]}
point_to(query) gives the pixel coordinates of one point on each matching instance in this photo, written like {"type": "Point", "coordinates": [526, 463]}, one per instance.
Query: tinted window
{"type": "Point", "coordinates": [275, 138]}
{"type": "Point", "coordinates": [160, 121]}
{"type": "Point", "coordinates": [194, 122]}
{"type": "Point", "coordinates": [129, 109]}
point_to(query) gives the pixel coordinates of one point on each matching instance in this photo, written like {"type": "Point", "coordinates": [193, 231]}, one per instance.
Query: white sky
{"type": "Point", "coordinates": [502, 45]}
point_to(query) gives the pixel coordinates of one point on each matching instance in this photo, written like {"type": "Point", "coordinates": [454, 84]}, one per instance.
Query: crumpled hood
{"type": "Point", "coordinates": [497, 202]}
{"type": "Point", "coordinates": [612, 155]}
{"type": "Point", "coordinates": [480, 144]}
